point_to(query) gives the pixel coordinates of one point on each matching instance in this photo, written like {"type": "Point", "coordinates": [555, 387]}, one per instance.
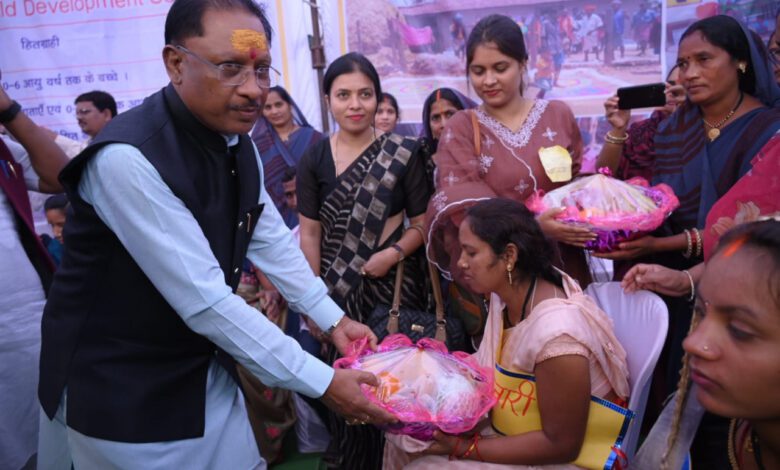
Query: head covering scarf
{"type": "Point", "coordinates": [701, 171]}
{"type": "Point", "coordinates": [264, 133]}
{"type": "Point", "coordinates": [277, 156]}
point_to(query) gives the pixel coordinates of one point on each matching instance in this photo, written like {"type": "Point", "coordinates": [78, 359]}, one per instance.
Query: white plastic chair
{"type": "Point", "coordinates": [641, 322]}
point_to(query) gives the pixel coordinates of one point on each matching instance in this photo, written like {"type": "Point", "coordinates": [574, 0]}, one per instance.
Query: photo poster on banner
{"type": "Point", "coordinates": [54, 50]}
{"type": "Point", "coordinates": [579, 51]}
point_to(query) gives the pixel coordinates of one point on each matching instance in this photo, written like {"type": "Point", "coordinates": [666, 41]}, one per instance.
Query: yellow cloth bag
{"type": "Point", "coordinates": [517, 412]}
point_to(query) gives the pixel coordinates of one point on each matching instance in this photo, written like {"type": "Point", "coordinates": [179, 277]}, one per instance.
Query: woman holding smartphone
{"type": "Point", "coordinates": [629, 150]}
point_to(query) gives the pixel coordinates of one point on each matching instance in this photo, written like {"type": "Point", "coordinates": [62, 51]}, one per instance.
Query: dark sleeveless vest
{"type": "Point", "coordinates": [15, 189]}
{"type": "Point", "coordinates": [134, 371]}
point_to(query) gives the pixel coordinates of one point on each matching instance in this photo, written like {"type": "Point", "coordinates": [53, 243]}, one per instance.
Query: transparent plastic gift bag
{"type": "Point", "coordinates": [425, 386]}
{"type": "Point", "coordinates": [615, 210]}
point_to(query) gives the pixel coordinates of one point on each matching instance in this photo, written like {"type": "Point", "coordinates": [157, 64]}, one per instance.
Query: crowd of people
{"type": "Point", "coordinates": [213, 254]}
{"type": "Point", "coordinates": [555, 36]}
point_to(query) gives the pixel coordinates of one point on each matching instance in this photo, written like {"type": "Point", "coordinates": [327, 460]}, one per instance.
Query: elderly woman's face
{"type": "Point", "coordinates": [441, 112]}
{"type": "Point", "coordinates": [735, 349]}
{"type": "Point", "coordinates": [708, 73]}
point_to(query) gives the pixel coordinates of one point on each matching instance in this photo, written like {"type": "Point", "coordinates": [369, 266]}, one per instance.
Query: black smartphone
{"type": "Point", "coordinates": [642, 96]}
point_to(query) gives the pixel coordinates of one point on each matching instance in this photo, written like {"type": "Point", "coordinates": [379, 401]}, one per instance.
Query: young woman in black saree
{"type": "Point", "coordinates": [354, 191]}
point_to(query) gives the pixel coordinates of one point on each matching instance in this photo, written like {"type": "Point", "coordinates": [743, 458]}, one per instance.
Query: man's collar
{"type": "Point", "coordinates": [231, 139]}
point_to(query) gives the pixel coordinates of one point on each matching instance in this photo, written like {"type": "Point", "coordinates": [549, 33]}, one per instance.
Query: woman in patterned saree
{"type": "Point", "coordinates": [354, 190]}
{"type": "Point", "coordinates": [282, 136]}
{"type": "Point", "coordinates": [510, 131]}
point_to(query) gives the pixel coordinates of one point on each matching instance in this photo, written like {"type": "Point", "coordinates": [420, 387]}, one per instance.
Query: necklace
{"type": "Point", "coordinates": [714, 131]}
{"type": "Point", "coordinates": [756, 449]}
{"type": "Point", "coordinates": [753, 446]}
{"type": "Point", "coordinates": [530, 294]}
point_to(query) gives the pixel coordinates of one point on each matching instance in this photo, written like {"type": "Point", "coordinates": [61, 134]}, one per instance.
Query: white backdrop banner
{"type": "Point", "coordinates": [54, 50]}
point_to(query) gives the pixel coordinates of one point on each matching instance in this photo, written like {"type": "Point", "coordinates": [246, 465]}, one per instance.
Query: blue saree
{"type": "Point", "coordinates": [277, 156]}
{"type": "Point", "coordinates": [701, 171]}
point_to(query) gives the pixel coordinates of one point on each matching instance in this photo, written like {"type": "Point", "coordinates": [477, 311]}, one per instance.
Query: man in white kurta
{"type": "Point", "coordinates": [219, 77]}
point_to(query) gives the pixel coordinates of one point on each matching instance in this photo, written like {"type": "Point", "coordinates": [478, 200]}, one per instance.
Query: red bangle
{"type": "Point", "coordinates": [473, 447]}
{"type": "Point", "coordinates": [476, 448]}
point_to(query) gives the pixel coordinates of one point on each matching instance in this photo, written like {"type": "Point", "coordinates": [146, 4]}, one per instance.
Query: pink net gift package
{"type": "Point", "coordinates": [423, 385]}
{"type": "Point", "coordinates": [615, 210]}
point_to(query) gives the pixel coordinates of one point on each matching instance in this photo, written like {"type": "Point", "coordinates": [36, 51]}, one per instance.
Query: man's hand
{"type": "Point", "coordinates": [345, 397]}
{"type": "Point", "coordinates": [348, 331]}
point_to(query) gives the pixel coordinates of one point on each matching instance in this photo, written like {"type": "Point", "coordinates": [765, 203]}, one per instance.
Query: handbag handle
{"type": "Point", "coordinates": [441, 322]}
{"type": "Point", "coordinates": [395, 308]}
{"type": "Point", "coordinates": [477, 136]}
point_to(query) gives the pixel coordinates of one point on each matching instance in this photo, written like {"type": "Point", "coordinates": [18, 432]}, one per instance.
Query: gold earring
{"type": "Point", "coordinates": [509, 273]}
{"type": "Point", "coordinates": [742, 67]}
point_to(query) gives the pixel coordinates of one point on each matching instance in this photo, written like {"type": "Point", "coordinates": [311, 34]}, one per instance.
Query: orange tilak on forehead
{"type": "Point", "coordinates": [249, 41]}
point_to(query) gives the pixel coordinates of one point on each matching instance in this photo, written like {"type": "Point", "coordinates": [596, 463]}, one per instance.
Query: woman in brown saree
{"type": "Point", "coordinates": [354, 190]}
{"type": "Point", "coordinates": [501, 149]}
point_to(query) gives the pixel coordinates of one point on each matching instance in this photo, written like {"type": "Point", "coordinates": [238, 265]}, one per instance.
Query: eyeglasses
{"type": "Point", "coordinates": [236, 75]}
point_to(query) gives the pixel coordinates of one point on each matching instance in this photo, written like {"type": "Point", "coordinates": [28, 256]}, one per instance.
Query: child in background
{"type": "Point", "coordinates": [55, 208]}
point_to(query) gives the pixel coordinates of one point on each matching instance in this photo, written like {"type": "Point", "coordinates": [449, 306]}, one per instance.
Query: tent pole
{"type": "Point", "coordinates": [318, 61]}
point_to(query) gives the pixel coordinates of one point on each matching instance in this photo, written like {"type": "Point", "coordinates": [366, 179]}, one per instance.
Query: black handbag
{"type": "Point", "coordinates": [417, 324]}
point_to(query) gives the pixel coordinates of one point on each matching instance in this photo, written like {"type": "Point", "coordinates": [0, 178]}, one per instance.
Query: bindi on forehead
{"type": "Point", "coordinates": [248, 41]}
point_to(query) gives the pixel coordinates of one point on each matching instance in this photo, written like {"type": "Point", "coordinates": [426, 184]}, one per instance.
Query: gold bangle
{"type": "Point", "coordinates": [623, 139]}
{"type": "Point", "coordinates": [609, 138]}
{"type": "Point", "coordinates": [699, 242]}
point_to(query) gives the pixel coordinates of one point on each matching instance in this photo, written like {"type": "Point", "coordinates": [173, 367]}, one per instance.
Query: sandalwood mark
{"type": "Point", "coordinates": [249, 41]}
